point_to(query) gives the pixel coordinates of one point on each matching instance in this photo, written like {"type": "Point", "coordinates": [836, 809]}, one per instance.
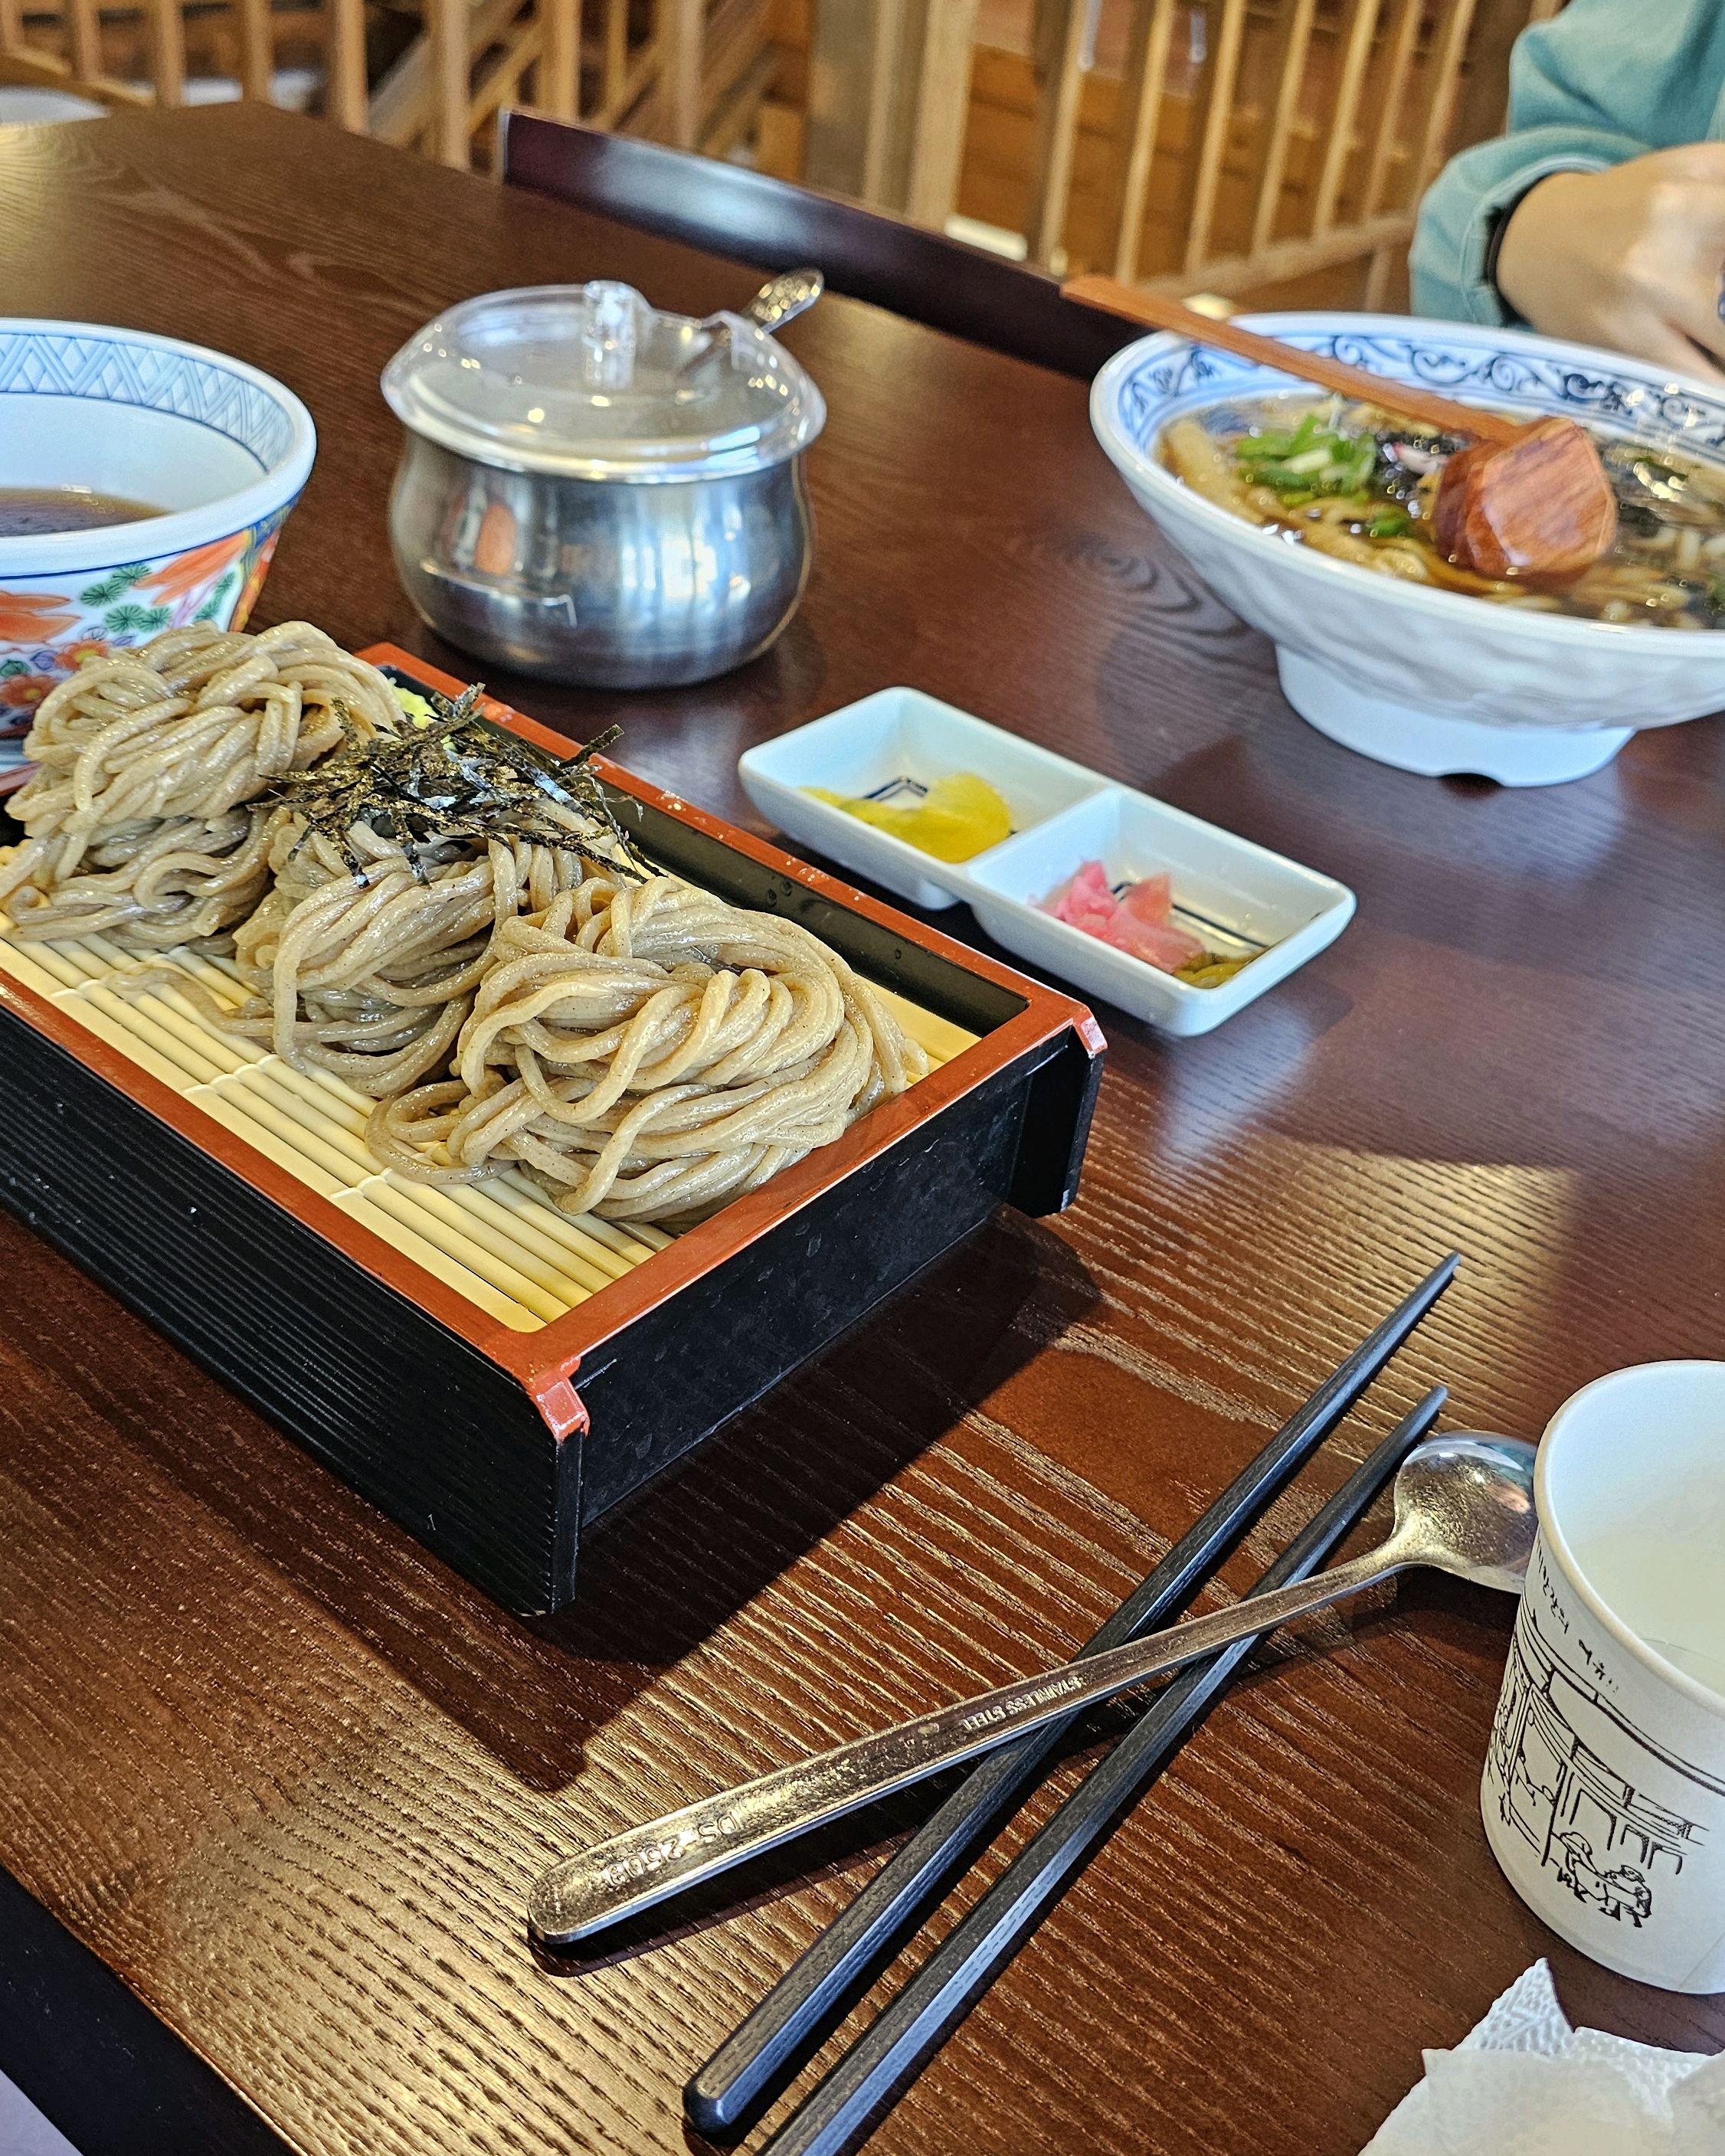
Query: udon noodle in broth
{"type": "Point", "coordinates": [1356, 483]}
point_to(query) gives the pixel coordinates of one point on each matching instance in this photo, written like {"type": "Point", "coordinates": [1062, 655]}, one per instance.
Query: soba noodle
{"type": "Point", "coordinates": [648, 1052]}
{"type": "Point", "coordinates": [138, 813]}
{"type": "Point", "coordinates": [370, 977]}
{"type": "Point", "coordinates": [436, 889]}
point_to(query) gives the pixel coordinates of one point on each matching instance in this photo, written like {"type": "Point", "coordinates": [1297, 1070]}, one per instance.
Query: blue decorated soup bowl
{"type": "Point", "coordinates": [216, 450]}
{"type": "Point", "coordinates": [1429, 679]}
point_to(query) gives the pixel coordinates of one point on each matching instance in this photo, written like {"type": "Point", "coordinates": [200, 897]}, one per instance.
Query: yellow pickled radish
{"type": "Point", "coordinates": [959, 816]}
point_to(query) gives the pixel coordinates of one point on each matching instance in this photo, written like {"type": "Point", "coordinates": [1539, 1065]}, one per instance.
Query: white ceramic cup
{"type": "Point", "coordinates": [1604, 1795]}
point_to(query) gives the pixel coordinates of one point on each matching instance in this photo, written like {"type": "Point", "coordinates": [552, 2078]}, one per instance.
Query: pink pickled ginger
{"type": "Point", "coordinates": [1151, 898]}
{"type": "Point", "coordinates": [1086, 902]}
{"type": "Point", "coordinates": [1138, 923]}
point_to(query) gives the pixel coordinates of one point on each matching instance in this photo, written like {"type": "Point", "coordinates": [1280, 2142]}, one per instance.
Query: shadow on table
{"type": "Point", "coordinates": [660, 1575]}
{"type": "Point", "coordinates": [701, 1543]}
{"type": "Point", "coordinates": [1456, 1619]}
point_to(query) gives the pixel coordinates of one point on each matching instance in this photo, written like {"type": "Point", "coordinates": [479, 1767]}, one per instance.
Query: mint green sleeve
{"type": "Point", "coordinates": [1604, 81]}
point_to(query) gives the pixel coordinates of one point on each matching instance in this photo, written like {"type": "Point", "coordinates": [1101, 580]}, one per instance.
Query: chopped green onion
{"type": "Point", "coordinates": [1306, 433]}
{"type": "Point", "coordinates": [1282, 477]}
{"type": "Point", "coordinates": [1387, 524]}
{"type": "Point", "coordinates": [1315, 459]}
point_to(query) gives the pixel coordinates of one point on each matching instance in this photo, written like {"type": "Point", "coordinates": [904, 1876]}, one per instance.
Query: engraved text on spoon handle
{"type": "Point", "coordinates": [632, 1870]}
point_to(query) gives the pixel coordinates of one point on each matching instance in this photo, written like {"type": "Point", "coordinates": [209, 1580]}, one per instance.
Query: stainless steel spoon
{"type": "Point", "coordinates": [783, 298]}
{"type": "Point", "coordinates": [1464, 1504]}
{"type": "Point", "coordinates": [779, 300]}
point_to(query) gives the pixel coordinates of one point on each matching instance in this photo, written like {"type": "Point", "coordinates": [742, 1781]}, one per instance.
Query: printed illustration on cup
{"type": "Point", "coordinates": [1602, 1804]}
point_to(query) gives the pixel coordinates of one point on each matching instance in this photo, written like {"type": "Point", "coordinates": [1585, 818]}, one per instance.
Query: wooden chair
{"type": "Point", "coordinates": [80, 47]}
{"type": "Point", "coordinates": [772, 225]}
{"type": "Point", "coordinates": [576, 59]}
{"type": "Point", "coordinates": [690, 72]}
{"type": "Point", "coordinates": [1248, 144]}
{"type": "Point", "coordinates": [1314, 129]}
{"type": "Point", "coordinates": [1310, 158]}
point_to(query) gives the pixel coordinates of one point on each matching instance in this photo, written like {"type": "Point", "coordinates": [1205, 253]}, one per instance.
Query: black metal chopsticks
{"type": "Point", "coordinates": [891, 2051]}
{"type": "Point", "coordinates": [746, 2070]}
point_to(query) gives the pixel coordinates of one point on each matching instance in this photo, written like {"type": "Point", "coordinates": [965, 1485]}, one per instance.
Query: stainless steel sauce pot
{"type": "Point", "coordinates": [597, 492]}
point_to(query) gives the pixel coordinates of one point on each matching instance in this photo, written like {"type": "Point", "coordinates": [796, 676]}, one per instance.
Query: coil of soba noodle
{"type": "Point", "coordinates": [370, 976]}
{"type": "Point", "coordinates": [648, 1052]}
{"type": "Point", "coordinates": [139, 816]}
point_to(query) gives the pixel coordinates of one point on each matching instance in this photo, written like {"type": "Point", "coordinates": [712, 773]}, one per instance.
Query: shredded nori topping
{"type": "Point", "coordinates": [458, 778]}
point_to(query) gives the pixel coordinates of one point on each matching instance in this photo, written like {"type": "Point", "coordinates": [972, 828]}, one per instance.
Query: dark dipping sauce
{"type": "Point", "coordinates": [28, 511]}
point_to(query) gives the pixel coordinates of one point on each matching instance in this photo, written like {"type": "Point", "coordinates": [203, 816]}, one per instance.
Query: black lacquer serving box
{"type": "Point", "coordinates": [494, 1379]}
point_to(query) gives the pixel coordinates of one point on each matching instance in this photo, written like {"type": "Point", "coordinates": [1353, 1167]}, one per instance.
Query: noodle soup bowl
{"type": "Point", "coordinates": [219, 450]}
{"type": "Point", "coordinates": [1430, 680]}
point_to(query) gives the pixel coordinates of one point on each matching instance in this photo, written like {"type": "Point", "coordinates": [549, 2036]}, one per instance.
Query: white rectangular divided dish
{"type": "Point", "coordinates": [891, 746]}
{"type": "Point", "coordinates": [1239, 898]}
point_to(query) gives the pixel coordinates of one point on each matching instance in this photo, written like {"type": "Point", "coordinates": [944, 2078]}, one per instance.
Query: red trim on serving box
{"type": "Point", "coordinates": [545, 1361]}
{"type": "Point", "coordinates": [563, 1408]}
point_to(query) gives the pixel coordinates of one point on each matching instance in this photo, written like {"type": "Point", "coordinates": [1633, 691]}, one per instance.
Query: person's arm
{"type": "Point", "coordinates": [1599, 86]}
{"type": "Point", "coordinates": [1457, 248]}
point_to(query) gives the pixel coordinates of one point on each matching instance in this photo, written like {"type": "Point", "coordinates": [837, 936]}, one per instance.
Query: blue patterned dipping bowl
{"type": "Point", "coordinates": [220, 449]}
{"type": "Point", "coordinates": [1430, 680]}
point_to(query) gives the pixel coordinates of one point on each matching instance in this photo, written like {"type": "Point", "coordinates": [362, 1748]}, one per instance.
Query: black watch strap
{"type": "Point", "coordinates": [1494, 244]}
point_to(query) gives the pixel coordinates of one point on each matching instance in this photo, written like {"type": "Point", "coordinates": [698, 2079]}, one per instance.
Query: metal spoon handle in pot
{"type": "Point", "coordinates": [783, 298]}
{"type": "Point", "coordinates": [779, 300]}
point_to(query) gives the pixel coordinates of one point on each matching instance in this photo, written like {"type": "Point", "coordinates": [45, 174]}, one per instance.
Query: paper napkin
{"type": "Point", "coordinates": [1525, 2083]}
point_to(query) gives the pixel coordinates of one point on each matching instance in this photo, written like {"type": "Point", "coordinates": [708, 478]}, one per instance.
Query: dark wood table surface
{"type": "Point", "coordinates": [269, 1770]}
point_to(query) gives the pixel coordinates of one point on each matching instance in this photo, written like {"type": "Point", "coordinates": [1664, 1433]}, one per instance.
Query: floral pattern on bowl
{"type": "Point", "coordinates": [219, 449]}
{"type": "Point", "coordinates": [1491, 373]}
{"type": "Point", "coordinates": [48, 632]}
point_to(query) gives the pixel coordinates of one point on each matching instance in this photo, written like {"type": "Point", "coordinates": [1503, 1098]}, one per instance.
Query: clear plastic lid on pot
{"type": "Point", "coordinates": [591, 382]}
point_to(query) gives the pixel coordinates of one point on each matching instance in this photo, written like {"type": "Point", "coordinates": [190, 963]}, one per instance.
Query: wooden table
{"type": "Point", "coordinates": [273, 1783]}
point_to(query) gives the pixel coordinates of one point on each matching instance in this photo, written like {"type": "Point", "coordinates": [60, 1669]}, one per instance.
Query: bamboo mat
{"type": "Point", "coordinates": [500, 1244]}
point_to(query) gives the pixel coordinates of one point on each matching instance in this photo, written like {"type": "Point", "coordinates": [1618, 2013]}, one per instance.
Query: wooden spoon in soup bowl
{"type": "Point", "coordinates": [1530, 501]}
